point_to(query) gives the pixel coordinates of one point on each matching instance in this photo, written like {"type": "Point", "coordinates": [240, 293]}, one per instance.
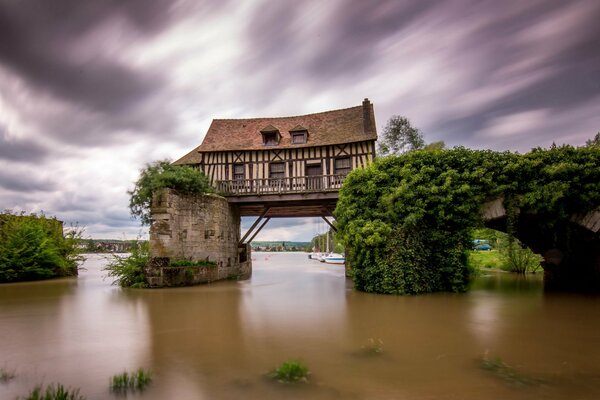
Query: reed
{"type": "Point", "coordinates": [290, 372]}
{"type": "Point", "coordinates": [126, 381]}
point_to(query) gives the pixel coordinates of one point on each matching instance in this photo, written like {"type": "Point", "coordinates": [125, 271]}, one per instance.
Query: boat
{"type": "Point", "coordinates": [334, 258]}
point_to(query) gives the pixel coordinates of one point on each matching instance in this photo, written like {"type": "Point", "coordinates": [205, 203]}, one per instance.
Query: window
{"type": "Point", "coordinates": [276, 170]}
{"type": "Point", "coordinates": [270, 139]}
{"type": "Point", "coordinates": [238, 172]}
{"type": "Point", "coordinates": [298, 138]}
{"type": "Point", "coordinates": [342, 166]}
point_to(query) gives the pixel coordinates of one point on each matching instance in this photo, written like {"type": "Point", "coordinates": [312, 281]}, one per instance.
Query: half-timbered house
{"type": "Point", "coordinates": [285, 155]}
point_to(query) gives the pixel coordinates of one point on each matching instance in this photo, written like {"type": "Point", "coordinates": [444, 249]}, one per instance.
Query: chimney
{"type": "Point", "coordinates": [369, 123]}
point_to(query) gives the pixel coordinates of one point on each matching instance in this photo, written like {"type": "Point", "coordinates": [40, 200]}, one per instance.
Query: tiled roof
{"type": "Point", "coordinates": [326, 128]}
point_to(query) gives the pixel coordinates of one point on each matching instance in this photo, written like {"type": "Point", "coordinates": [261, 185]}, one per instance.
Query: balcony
{"type": "Point", "coordinates": [275, 186]}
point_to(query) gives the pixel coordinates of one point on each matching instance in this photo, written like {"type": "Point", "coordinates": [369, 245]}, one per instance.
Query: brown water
{"type": "Point", "coordinates": [217, 341]}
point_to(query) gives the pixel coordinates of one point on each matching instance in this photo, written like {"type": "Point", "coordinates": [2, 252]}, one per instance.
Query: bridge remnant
{"type": "Point", "coordinates": [195, 228]}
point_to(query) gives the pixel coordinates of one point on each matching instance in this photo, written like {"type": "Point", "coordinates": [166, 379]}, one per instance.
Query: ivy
{"type": "Point", "coordinates": [406, 220]}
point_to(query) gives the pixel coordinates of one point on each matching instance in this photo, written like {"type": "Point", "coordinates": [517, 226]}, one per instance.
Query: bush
{"type": "Point", "coordinates": [164, 175]}
{"type": "Point", "coordinates": [289, 372]}
{"type": "Point", "coordinates": [129, 271]}
{"type": "Point", "coordinates": [33, 247]}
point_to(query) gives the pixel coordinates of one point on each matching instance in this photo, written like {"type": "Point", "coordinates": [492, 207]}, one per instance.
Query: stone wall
{"type": "Point", "coordinates": [202, 227]}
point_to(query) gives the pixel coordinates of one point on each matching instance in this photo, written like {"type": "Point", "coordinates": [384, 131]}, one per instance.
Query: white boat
{"type": "Point", "coordinates": [334, 258]}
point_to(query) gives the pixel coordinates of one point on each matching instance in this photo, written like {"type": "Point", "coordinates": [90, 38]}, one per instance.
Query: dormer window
{"type": "Point", "coordinates": [270, 135]}
{"type": "Point", "coordinates": [299, 135]}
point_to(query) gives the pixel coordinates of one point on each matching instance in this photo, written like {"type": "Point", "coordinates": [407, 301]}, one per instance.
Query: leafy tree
{"type": "Point", "coordinates": [433, 146]}
{"type": "Point", "coordinates": [400, 136]}
{"type": "Point", "coordinates": [593, 142]}
{"type": "Point", "coordinates": [161, 175]}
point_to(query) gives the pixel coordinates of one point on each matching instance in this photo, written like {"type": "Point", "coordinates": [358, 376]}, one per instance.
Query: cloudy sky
{"type": "Point", "coordinates": [90, 91]}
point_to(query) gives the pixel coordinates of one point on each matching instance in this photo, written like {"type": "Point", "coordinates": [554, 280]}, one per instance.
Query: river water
{"type": "Point", "coordinates": [218, 341]}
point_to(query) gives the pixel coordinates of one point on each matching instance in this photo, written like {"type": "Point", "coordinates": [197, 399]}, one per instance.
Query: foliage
{"type": "Point", "coordinates": [373, 346]}
{"type": "Point", "coordinates": [593, 142]}
{"type": "Point", "coordinates": [434, 146]}
{"type": "Point", "coordinates": [54, 392]}
{"type": "Point", "coordinates": [33, 247]}
{"type": "Point", "coordinates": [161, 175]}
{"type": "Point", "coordinates": [129, 271]}
{"type": "Point", "coordinates": [126, 381]}
{"type": "Point", "coordinates": [407, 220]}
{"type": "Point", "coordinates": [512, 255]}
{"type": "Point", "coordinates": [399, 136]}
{"type": "Point", "coordinates": [290, 371]}
{"type": "Point", "coordinates": [6, 375]}
{"type": "Point", "coordinates": [189, 263]}
{"type": "Point", "coordinates": [485, 259]}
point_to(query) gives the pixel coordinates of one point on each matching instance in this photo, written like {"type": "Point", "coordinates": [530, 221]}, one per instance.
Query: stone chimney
{"type": "Point", "coordinates": [368, 117]}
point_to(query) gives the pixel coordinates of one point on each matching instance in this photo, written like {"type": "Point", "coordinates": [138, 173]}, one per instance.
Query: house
{"type": "Point", "coordinates": [283, 155]}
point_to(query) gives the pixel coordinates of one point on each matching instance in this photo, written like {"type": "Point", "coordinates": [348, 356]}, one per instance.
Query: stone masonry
{"type": "Point", "coordinates": [203, 227]}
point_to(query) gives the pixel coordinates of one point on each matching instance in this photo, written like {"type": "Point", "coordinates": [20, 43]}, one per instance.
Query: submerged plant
{"type": "Point", "coordinates": [290, 372]}
{"type": "Point", "coordinates": [501, 370]}
{"type": "Point", "coordinates": [6, 375]}
{"type": "Point", "coordinates": [374, 346]}
{"type": "Point", "coordinates": [54, 392]}
{"type": "Point", "coordinates": [137, 380]}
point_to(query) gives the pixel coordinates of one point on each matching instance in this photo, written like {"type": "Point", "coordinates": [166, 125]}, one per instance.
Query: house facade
{"type": "Point", "coordinates": [306, 153]}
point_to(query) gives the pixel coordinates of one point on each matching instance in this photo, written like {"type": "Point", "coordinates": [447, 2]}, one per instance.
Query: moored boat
{"type": "Point", "coordinates": [334, 258]}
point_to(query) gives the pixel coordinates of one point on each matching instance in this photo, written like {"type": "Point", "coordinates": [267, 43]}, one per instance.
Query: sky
{"type": "Point", "coordinates": [91, 91]}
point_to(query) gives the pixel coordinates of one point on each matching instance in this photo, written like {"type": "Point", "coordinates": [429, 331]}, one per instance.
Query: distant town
{"type": "Point", "coordinates": [124, 246]}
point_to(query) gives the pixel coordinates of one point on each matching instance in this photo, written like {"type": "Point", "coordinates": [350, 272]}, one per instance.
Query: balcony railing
{"type": "Point", "coordinates": [296, 184]}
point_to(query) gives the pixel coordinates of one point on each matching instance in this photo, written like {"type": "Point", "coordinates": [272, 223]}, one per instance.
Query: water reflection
{"type": "Point", "coordinates": [219, 340]}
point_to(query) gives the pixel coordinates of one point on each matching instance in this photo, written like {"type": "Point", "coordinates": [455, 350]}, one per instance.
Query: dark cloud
{"type": "Point", "coordinates": [37, 39]}
{"type": "Point", "coordinates": [20, 150]}
{"type": "Point", "coordinates": [25, 182]}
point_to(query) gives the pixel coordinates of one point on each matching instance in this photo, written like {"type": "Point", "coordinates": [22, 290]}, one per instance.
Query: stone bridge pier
{"type": "Point", "coordinates": [571, 250]}
{"type": "Point", "coordinates": [193, 228]}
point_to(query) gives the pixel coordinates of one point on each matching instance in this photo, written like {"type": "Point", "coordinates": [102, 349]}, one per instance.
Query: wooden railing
{"type": "Point", "coordinates": [297, 184]}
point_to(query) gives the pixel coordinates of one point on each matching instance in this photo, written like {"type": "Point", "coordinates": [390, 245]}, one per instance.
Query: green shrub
{"type": "Point", "coordinates": [188, 263]}
{"type": "Point", "coordinates": [289, 372]}
{"type": "Point", "coordinates": [124, 382]}
{"type": "Point", "coordinates": [129, 271]}
{"type": "Point", "coordinates": [54, 392]}
{"type": "Point", "coordinates": [164, 175]}
{"type": "Point", "coordinates": [33, 247]}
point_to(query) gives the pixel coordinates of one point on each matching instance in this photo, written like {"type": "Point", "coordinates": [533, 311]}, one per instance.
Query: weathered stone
{"type": "Point", "coordinates": [195, 228]}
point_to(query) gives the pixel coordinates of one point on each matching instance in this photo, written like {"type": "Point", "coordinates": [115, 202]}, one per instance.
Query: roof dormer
{"type": "Point", "coordinates": [298, 135]}
{"type": "Point", "coordinates": [270, 135]}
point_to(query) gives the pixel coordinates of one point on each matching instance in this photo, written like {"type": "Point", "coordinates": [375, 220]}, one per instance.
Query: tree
{"type": "Point", "coordinates": [399, 136]}
{"type": "Point", "coordinates": [439, 145]}
{"type": "Point", "coordinates": [161, 175]}
{"type": "Point", "coordinates": [593, 142]}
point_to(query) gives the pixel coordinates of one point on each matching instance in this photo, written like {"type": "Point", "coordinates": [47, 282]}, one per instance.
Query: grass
{"type": "Point", "coordinates": [373, 347]}
{"type": "Point", "coordinates": [54, 392]}
{"type": "Point", "coordinates": [486, 259]}
{"type": "Point", "coordinates": [188, 263]}
{"type": "Point", "coordinates": [126, 381]}
{"type": "Point", "coordinates": [6, 375]}
{"type": "Point", "coordinates": [290, 372]}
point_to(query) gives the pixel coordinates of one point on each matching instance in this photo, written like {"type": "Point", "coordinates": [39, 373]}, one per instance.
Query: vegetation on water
{"type": "Point", "coordinates": [407, 220]}
{"type": "Point", "coordinates": [6, 375]}
{"type": "Point", "coordinates": [498, 368]}
{"type": "Point", "coordinates": [133, 381]}
{"type": "Point", "coordinates": [129, 271]}
{"type": "Point", "coordinates": [34, 247]}
{"type": "Point", "coordinates": [373, 347]}
{"type": "Point", "coordinates": [189, 263]}
{"type": "Point", "coordinates": [53, 392]}
{"type": "Point", "coordinates": [164, 175]}
{"type": "Point", "coordinates": [289, 372]}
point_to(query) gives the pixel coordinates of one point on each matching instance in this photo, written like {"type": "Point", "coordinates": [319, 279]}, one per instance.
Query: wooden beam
{"type": "Point", "coordinates": [254, 224]}
{"type": "Point", "coordinates": [259, 229]}
{"type": "Point", "coordinates": [330, 224]}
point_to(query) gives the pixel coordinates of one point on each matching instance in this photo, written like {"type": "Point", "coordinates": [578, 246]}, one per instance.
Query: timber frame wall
{"type": "Point", "coordinates": [219, 166]}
